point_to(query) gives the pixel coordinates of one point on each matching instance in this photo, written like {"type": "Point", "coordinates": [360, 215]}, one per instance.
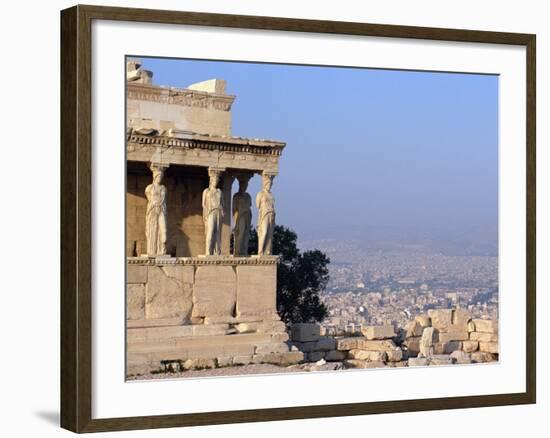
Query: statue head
{"type": "Point", "coordinates": [214, 178]}
{"type": "Point", "coordinates": [267, 181]}
{"type": "Point", "coordinates": [243, 183]}
{"type": "Point", "coordinates": [158, 174]}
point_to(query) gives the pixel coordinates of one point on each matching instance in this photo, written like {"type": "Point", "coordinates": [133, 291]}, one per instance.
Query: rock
{"type": "Point", "coordinates": [447, 347]}
{"type": "Point", "coordinates": [378, 345]}
{"type": "Point", "coordinates": [440, 359]}
{"type": "Point", "coordinates": [344, 344]}
{"type": "Point", "coordinates": [320, 362]}
{"type": "Point", "coordinates": [482, 357]}
{"type": "Point", "coordinates": [325, 344]}
{"type": "Point", "coordinates": [242, 360]}
{"type": "Point", "coordinates": [355, 363]}
{"type": "Point", "coordinates": [413, 329]}
{"type": "Point", "coordinates": [484, 337]}
{"type": "Point", "coordinates": [412, 345]}
{"type": "Point", "coordinates": [400, 364]}
{"type": "Point", "coordinates": [394, 355]}
{"type": "Point", "coordinates": [454, 333]}
{"type": "Point", "coordinates": [315, 356]}
{"type": "Point", "coordinates": [378, 332]}
{"type": "Point", "coordinates": [280, 347]}
{"type": "Point", "coordinates": [305, 332]}
{"type": "Point", "coordinates": [488, 347]}
{"type": "Point", "coordinates": [282, 359]}
{"type": "Point", "coordinates": [461, 357]}
{"type": "Point", "coordinates": [441, 318]}
{"type": "Point", "coordinates": [471, 327]}
{"type": "Point", "coordinates": [376, 356]}
{"type": "Point", "coordinates": [461, 317]}
{"type": "Point", "coordinates": [335, 355]}
{"type": "Point", "coordinates": [198, 364]}
{"type": "Point", "coordinates": [226, 361]}
{"type": "Point", "coordinates": [423, 320]}
{"type": "Point", "coordinates": [470, 346]}
{"type": "Point", "coordinates": [417, 361]}
{"type": "Point", "coordinates": [486, 325]}
{"type": "Point", "coordinates": [427, 342]}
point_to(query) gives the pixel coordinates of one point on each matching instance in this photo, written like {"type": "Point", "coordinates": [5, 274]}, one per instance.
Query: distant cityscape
{"type": "Point", "coordinates": [390, 284]}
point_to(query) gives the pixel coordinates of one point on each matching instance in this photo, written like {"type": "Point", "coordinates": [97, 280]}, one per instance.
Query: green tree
{"type": "Point", "coordinates": [300, 277]}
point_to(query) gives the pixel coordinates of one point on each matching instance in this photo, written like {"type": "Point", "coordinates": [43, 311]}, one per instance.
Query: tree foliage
{"type": "Point", "coordinates": [300, 277]}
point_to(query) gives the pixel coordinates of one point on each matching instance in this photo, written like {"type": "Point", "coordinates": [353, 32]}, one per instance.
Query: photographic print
{"type": "Point", "coordinates": [297, 218]}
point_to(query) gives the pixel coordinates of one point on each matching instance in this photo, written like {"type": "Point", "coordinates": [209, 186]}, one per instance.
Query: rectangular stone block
{"type": "Point", "coordinates": [486, 325]}
{"type": "Point", "coordinates": [166, 296]}
{"type": "Point", "coordinates": [454, 334]}
{"type": "Point", "coordinates": [303, 332]}
{"type": "Point", "coordinates": [315, 356]}
{"type": "Point", "coordinates": [136, 274]}
{"type": "Point", "coordinates": [423, 320]}
{"type": "Point", "coordinates": [488, 347]}
{"type": "Point", "coordinates": [335, 355]}
{"type": "Point", "coordinates": [135, 301]}
{"type": "Point", "coordinates": [325, 344]}
{"type": "Point", "coordinates": [361, 343]}
{"type": "Point", "coordinates": [441, 318]}
{"type": "Point", "coordinates": [271, 348]}
{"type": "Point", "coordinates": [367, 355]}
{"type": "Point", "coordinates": [470, 346]}
{"type": "Point", "coordinates": [413, 344]}
{"type": "Point", "coordinates": [484, 337]}
{"type": "Point", "coordinates": [256, 289]}
{"type": "Point", "coordinates": [447, 347]}
{"type": "Point", "coordinates": [378, 331]}
{"type": "Point", "coordinates": [461, 317]}
{"type": "Point", "coordinates": [214, 292]}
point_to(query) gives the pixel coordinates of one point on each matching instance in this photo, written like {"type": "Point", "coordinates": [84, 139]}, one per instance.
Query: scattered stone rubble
{"type": "Point", "coordinates": [442, 337]}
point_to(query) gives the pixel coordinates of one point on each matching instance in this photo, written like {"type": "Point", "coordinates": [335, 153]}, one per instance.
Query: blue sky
{"type": "Point", "coordinates": [365, 147]}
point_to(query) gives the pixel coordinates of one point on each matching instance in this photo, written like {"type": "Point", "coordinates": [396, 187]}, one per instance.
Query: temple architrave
{"type": "Point", "coordinates": [191, 299]}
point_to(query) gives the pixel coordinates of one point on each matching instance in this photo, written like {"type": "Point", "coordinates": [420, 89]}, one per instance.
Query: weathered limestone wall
{"type": "Point", "coordinates": [199, 290]}
{"type": "Point", "coordinates": [185, 234]}
{"type": "Point", "coordinates": [199, 111]}
{"type": "Point", "coordinates": [203, 312]}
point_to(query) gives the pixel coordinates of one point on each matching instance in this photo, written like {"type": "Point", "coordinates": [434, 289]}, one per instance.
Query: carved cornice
{"type": "Point", "coordinates": [179, 96]}
{"type": "Point", "coordinates": [203, 261]}
{"type": "Point", "coordinates": [196, 141]}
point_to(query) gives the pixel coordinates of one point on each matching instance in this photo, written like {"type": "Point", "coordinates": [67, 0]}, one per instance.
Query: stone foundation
{"type": "Point", "coordinates": [203, 312]}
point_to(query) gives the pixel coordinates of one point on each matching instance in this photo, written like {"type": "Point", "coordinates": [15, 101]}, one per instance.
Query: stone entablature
{"type": "Point", "coordinates": [202, 261]}
{"type": "Point", "coordinates": [179, 96]}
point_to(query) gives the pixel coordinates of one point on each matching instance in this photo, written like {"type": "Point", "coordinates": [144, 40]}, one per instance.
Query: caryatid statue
{"type": "Point", "coordinates": [266, 216]}
{"type": "Point", "coordinates": [212, 214]}
{"type": "Point", "coordinates": [155, 217]}
{"type": "Point", "coordinates": [242, 217]}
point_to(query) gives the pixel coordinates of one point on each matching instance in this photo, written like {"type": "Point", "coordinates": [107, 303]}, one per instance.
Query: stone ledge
{"type": "Point", "coordinates": [203, 260]}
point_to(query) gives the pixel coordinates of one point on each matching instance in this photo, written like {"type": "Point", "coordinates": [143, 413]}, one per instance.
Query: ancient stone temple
{"type": "Point", "coordinates": [191, 299]}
